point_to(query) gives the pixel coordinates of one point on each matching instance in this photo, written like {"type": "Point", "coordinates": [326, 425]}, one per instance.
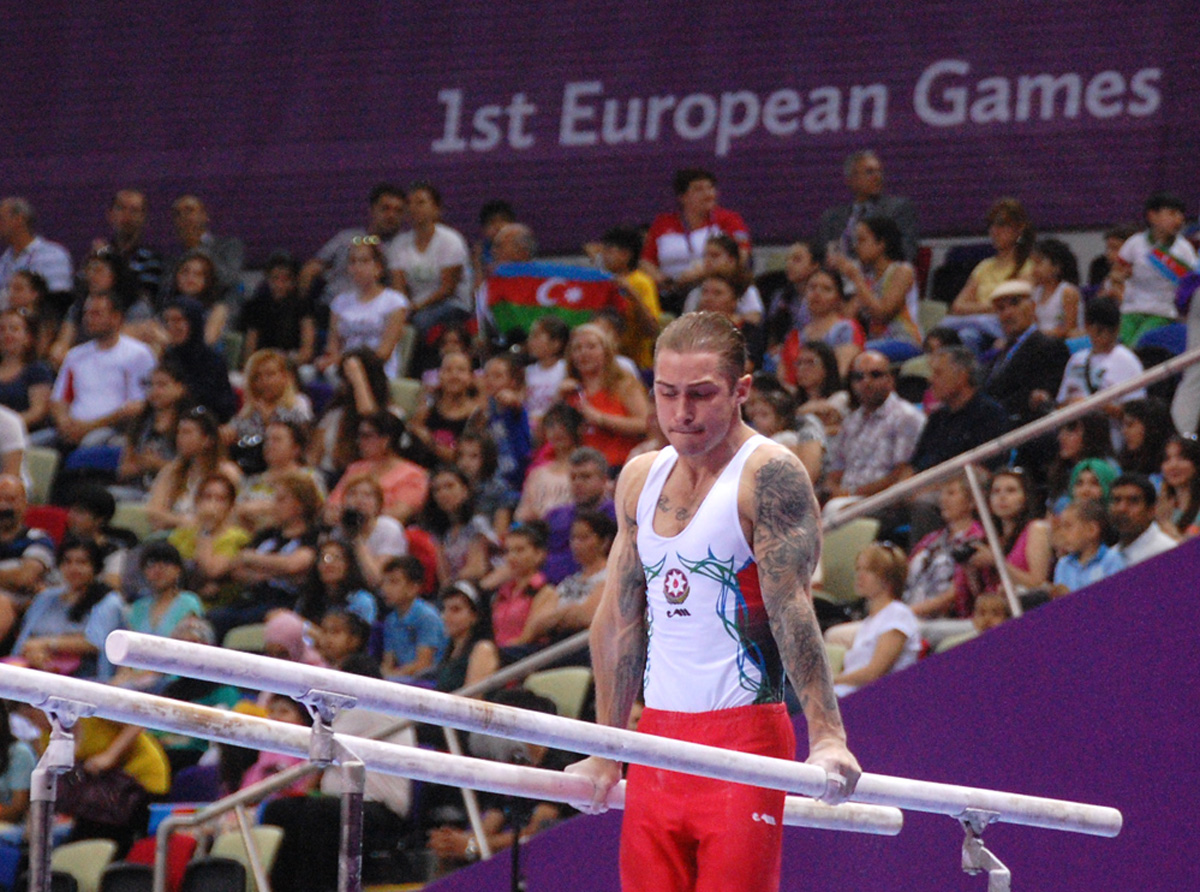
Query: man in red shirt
{"type": "Point", "coordinates": [673, 254]}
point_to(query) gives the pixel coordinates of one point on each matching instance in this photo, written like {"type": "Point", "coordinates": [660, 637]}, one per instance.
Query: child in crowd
{"type": "Point", "coordinates": [282, 709]}
{"type": "Point", "coordinates": [91, 511]}
{"type": "Point", "coordinates": [504, 416]}
{"type": "Point", "coordinates": [772, 412]}
{"type": "Point", "coordinates": [1105, 364]}
{"type": "Point", "coordinates": [1055, 275]}
{"type": "Point", "coordinates": [414, 638]}
{"type": "Point", "coordinates": [546, 346]}
{"type": "Point", "coordinates": [1149, 267]}
{"type": "Point", "coordinates": [525, 588]}
{"type": "Point", "coordinates": [548, 483]}
{"type": "Point", "coordinates": [620, 249]}
{"type": "Point", "coordinates": [441, 421]}
{"type": "Point", "coordinates": [1079, 537]}
{"type": "Point", "coordinates": [479, 459]}
{"type": "Point", "coordinates": [342, 637]}
{"type": "Point", "coordinates": [336, 582]}
{"type": "Point", "coordinates": [786, 309]}
{"type": "Point", "coordinates": [991, 609]}
{"type": "Point", "coordinates": [453, 339]}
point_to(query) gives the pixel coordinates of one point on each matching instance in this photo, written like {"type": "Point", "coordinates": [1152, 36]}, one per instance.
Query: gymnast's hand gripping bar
{"type": "Point", "coordinates": [299, 681]}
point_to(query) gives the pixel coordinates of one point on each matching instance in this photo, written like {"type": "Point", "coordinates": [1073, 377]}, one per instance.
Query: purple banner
{"type": "Point", "coordinates": [283, 114]}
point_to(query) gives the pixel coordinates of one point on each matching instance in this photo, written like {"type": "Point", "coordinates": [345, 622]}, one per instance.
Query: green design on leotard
{"type": "Point", "coordinates": [748, 650]}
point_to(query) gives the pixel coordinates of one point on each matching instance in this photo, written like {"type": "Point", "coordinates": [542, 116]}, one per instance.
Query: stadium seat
{"type": "Point", "coordinates": [405, 392]}
{"type": "Point", "coordinates": [126, 877]}
{"type": "Point", "coordinates": [230, 845]}
{"type": "Point", "coordinates": [84, 860]}
{"type": "Point", "coordinates": [250, 638]}
{"type": "Point", "coordinates": [214, 874]}
{"type": "Point", "coordinates": [930, 313]}
{"type": "Point", "coordinates": [837, 656]}
{"type": "Point", "coordinates": [567, 687]}
{"type": "Point", "coordinates": [43, 465]}
{"type": "Point", "coordinates": [133, 516]}
{"type": "Point", "coordinates": [838, 553]}
{"type": "Point", "coordinates": [406, 348]}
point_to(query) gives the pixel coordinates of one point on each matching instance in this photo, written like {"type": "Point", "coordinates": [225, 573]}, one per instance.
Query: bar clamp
{"type": "Point", "coordinates": [976, 858]}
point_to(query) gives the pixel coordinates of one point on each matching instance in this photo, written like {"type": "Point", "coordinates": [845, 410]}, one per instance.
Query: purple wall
{"type": "Point", "coordinates": [282, 114]}
{"type": "Point", "coordinates": [1092, 698]}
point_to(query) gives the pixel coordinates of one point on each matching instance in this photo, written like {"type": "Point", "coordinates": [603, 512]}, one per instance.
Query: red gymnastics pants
{"type": "Point", "coordinates": [682, 833]}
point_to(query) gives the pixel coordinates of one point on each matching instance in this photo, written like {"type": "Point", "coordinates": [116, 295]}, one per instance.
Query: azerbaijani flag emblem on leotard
{"type": "Point", "coordinates": [521, 293]}
{"type": "Point", "coordinates": [675, 586]}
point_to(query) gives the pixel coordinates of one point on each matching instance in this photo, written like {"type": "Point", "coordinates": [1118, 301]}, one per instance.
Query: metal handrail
{"type": "Point", "coordinates": [1008, 441]}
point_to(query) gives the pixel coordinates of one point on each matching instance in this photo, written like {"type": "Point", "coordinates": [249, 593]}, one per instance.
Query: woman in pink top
{"type": "Point", "coordinates": [405, 484]}
{"type": "Point", "coordinates": [526, 588]}
{"type": "Point", "coordinates": [1024, 537]}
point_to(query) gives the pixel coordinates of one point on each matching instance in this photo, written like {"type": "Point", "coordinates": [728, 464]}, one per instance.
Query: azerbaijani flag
{"type": "Point", "coordinates": [521, 293]}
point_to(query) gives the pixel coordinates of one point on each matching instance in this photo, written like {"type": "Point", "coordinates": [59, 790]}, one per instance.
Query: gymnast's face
{"type": "Point", "coordinates": [697, 404]}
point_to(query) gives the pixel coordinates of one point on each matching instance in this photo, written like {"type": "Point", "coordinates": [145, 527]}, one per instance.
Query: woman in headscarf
{"type": "Point", "coordinates": [207, 374]}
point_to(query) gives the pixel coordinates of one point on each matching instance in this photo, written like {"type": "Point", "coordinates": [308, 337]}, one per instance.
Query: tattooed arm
{"type": "Point", "coordinates": [783, 513]}
{"type": "Point", "coordinates": [618, 637]}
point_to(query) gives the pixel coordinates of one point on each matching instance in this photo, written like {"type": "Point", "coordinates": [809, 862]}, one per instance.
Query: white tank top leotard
{"type": "Point", "coordinates": [710, 643]}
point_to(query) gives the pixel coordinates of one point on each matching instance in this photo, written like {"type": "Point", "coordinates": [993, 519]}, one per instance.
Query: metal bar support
{"type": "Point", "coordinates": [470, 800]}
{"type": "Point", "coordinates": [350, 846]}
{"type": "Point", "coordinates": [252, 854]}
{"type": "Point", "coordinates": [975, 856]}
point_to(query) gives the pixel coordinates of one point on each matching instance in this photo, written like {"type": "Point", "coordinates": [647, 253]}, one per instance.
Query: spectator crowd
{"type": "Point", "coordinates": [352, 460]}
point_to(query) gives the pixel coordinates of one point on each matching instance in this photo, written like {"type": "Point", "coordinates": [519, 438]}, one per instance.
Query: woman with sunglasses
{"type": "Point", "coordinates": [405, 484]}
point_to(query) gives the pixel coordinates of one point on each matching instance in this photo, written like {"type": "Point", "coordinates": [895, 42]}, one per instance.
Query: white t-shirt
{"type": "Point", "coordinates": [541, 388]}
{"type": "Point", "coordinates": [750, 301]}
{"type": "Point", "coordinates": [423, 269]}
{"type": "Point", "coordinates": [1088, 372]}
{"type": "Point", "coordinates": [1050, 311]}
{"type": "Point", "coordinates": [896, 616]}
{"type": "Point", "coordinates": [1148, 290]}
{"type": "Point", "coordinates": [95, 382]}
{"type": "Point", "coordinates": [362, 323]}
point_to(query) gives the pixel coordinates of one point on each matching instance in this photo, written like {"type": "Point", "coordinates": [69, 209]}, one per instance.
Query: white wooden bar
{"type": "Point", "coordinates": [298, 681]}
{"type": "Point", "coordinates": [43, 690]}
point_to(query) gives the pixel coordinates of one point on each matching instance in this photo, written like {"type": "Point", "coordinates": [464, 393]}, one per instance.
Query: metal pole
{"type": "Point", "coordinates": [58, 758]}
{"type": "Point", "coordinates": [252, 855]}
{"type": "Point", "coordinates": [470, 800]}
{"type": "Point", "coordinates": [350, 854]}
{"type": "Point", "coordinates": [293, 679]}
{"type": "Point", "coordinates": [993, 538]}
{"type": "Point", "coordinates": [1005, 442]}
{"type": "Point", "coordinates": [29, 686]}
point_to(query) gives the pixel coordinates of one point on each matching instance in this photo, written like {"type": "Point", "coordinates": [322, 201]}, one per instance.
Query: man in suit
{"type": "Point", "coordinates": [1028, 364]}
{"type": "Point", "coordinates": [864, 176]}
{"type": "Point", "coordinates": [1027, 368]}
